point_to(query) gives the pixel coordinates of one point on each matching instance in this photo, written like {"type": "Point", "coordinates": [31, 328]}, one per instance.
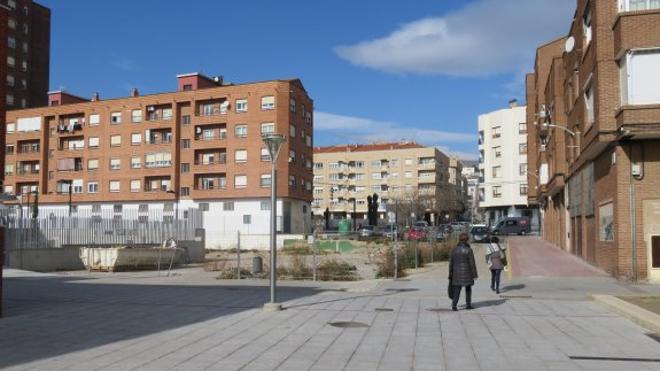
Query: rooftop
{"type": "Point", "coordinates": [367, 147]}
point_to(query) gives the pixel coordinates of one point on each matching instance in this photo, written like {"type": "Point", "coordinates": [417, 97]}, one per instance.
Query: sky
{"type": "Point", "coordinates": [378, 70]}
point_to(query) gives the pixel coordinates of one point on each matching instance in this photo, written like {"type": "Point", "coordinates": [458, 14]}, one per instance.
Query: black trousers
{"type": "Point", "coordinates": [457, 294]}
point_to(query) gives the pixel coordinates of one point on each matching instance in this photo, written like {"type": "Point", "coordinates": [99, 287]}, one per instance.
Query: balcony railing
{"type": "Point", "coordinates": [211, 137]}
{"type": "Point", "coordinates": [211, 187]}
{"type": "Point", "coordinates": [159, 140]}
{"type": "Point", "coordinates": [157, 164]}
{"type": "Point", "coordinates": [27, 171]}
{"type": "Point", "coordinates": [220, 161]}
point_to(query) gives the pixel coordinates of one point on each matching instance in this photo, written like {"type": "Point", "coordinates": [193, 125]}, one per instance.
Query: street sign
{"type": "Point", "coordinates": [391, 217]}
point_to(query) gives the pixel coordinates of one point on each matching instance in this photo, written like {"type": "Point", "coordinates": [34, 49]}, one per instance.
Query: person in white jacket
{"type": "Point", "coordinates": [496, 260]}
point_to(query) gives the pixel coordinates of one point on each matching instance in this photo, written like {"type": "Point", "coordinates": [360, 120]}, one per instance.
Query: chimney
{"type": "Point", "coordinates": [96, 97]}
{"type": "Point", "coordinates": [135, 93]}
{"type": "Point", "coordinates": [513, 103]}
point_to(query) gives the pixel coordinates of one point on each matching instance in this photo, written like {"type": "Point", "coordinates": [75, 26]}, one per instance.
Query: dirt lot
{"type": "Point", "coordinates": [650, 303]}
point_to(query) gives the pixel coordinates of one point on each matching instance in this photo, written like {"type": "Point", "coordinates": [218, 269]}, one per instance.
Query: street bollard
{"type": "Point", "coordinates": [238, 255]}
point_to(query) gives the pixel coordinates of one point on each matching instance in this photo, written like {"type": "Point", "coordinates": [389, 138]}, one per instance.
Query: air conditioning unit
{"type": "Point", "coordinates": [542, 147]}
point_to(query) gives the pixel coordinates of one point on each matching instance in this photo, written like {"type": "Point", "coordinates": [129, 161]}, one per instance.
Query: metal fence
{"type": "Point", "coordinates": [55, 228]}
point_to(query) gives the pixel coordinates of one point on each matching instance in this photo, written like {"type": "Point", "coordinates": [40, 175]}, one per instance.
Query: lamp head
{"type": "Point", "coordinates": [274, 144]}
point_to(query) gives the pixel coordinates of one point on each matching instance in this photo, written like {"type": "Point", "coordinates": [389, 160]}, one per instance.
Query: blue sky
{"type": "Point", "coordinates": [377, 70]}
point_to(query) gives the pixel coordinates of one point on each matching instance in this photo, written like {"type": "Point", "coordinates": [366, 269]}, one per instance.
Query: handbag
{"type": "Point", "coordinates": [504, 261]}
{"type": "Point", "coordinates": [450, 291]}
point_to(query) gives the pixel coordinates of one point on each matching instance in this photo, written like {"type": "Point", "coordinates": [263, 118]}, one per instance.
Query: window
{"type": "Point", "coordinates": [136, 138]}
{"type": "Point", "coordinates": [136, 162]}
{"type": "Point", "coordinates": [94, 119]}
{"type": "Point", "coordinates": [247, 219]}
{"type": "Point", "coordinates": [11, 42]}
{"type": "Point", "coordinates": [24, 66]}
{"type": "Point", "coordinates": [522, 128]}
{"type": "Point", "coordinates": [10, 80]}
{"type": "Point", "coordinates": [115, 118]}
{"type": "Point", "coordinates": [522, 169]}
{"type": "Point", "coordinates": [497, 171]}
{"type": "Point", "coordinates": [267, 128]}
{"type": "Point", "coordinates": [185, 143]}
{"type": "Point", "coordinates": [523, 189]}
{"type": "Point", "coordinates": [9, 149]}
{"type": "Point", "coordinates": [241, 105]}
{"type": "Point", "coordinates": [408, 161]}
{"type": "Point", "coordinates": [228, 206]}
{"type": "Point", "coordinates": [240, 181]}
{"type": "Point", "coordinates": [92, 164]}
{"type": "Point", "coordinates": [497, 152]}
{"type": "Point", "coordinates": [115, 164]}
{"type": "Point", "coordinates": [115, 140]}
{"type": "Point", "coordinates": [292, 105]}
{"type": "Point", "coordinates": [9, 169]}
{"type": "Point", "coordinates": [375, 176]}
{"type": "Point", "coordinates": [240, 155]}
{"type": "Point", "coordinates": [292, 181]}
{"type": "Point", "coordinates": [159, 159]}
{"type": "Point", "coordinates": [185, 168]}
{"type": "Point", "coordinates": [25, 47]}
{"type": "Point", "coordinates": [265, 205]}
{"type": "Point", "coordinates": [318, 165]}
{"type": "Point", "coordinates": [117, 208]}
{"type": "Point", "coordinates": [185, 191]}
{"type": "Point", "coordinates": [11, 22]}
{"type": "Point", "coordinates": [522, 148]}
{"type": "Point", "coordinates": [606, 222]}
{"type": "Point", "coordinates": [589, 103]}
{"type": "Point", "coordinates": [637, 5]}
{"type": "Point", "coordinates": [185, 120]}
{"type": "Point", "coordinates": [292, 131]}
{"type": "Point", "coordinates": [204, 206]}
{"type": "Point", "coordinates": [586, 26]}
{"type": "Point", "coordinates": [93, 142]}
{"type": "Point", "coordinates": [265, 181]}
{"type": "Point", "coordinates": [265, 155]}
{"type": "Point", "coordinates": [143, 208]}
{"type": "Point", "coordinates": [136, 185]}
{"type": "Point", "coordinates": [268, 102]}
{"type": "Point", "coordinates": [308, 140]}
{"type": "Point", "coordinates": [497, 191]}
{"type": "Point", "coordinates": [241, 131]}
{"type": "Point", "coordinates": [292, 156]}
{"type": "Point", "coordinates": [11, 61]}
{"type": "Point", "coordinates": [408, 174]}
{"type": "Point", "coordinates": [639, 77]}
{"type": "Point", "coordinates": [114, 186]}
{"type": "Point", "coordinates": [10, 99]}
{"type": "Point", "coordinates": [497, 132]}
{"type": "Point", "coordinates": [93, 187]}
{"type": "Point", "coordinates": [136, 115]}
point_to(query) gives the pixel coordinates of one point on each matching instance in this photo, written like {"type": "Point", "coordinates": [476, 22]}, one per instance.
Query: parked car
{"type": "Point", "coordinates": [421, 223]}
{"type": "Point", "coordinates": [391, 230]}
{"type": "Point", "coordinates": [437, 233]}
{"type": "Point", "coordinates": [368, 231]}
{"type": "Point", "coordinates": [446, 229]}
{"type": "Point", "coordinates": [417, 233]}
{"type": "Point", "coordinates": [480, 233]}
{"type": "Point", "coordinates": [458, 227]}
{"type": "Point", "coordinates": [512, 225]}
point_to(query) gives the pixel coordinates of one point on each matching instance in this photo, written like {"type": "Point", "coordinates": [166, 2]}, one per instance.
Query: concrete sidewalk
{"type": "Point", "coordinates": [192, 322]}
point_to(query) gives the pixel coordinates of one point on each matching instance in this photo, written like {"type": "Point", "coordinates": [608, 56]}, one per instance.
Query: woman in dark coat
{"type": "Point", "coordinates": [462, 271]}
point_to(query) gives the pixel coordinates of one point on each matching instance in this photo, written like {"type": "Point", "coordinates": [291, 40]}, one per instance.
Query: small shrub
{"type": "Point", "coordinates": [231, 274]}
{"type": "Point", "coordinates": [333, 270]}
{"type": "Point", "coordinates": [298, 269]}
{"type": "Point", "coordinates": [385, 264]}
{"type": "Point", "coordinates": [297, 250]}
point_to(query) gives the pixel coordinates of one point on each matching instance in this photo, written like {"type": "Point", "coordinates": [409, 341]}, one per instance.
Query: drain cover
{"type": "Point", "coordinates": [438, 310]}
{"type": "Point", "coordinates": [349, 324]}
{"type": "Point", "coordinates": [619, 359]}
{"type": "Point", "coordinates": [516, 296]}
{"type": "Point", "coordinates": [384, 310]}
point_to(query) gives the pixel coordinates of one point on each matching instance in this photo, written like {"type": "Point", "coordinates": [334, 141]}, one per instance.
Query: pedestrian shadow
{"type": "Point", "coordinates": [489, 303]}
{"type": "Point", "coordinates": [513, 287]}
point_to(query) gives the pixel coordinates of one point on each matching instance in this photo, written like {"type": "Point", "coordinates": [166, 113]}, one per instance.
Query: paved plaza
{"type": "Point", "coordinates": [190, 321]}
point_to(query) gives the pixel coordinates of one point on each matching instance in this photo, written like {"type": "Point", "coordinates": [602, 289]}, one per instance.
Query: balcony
{"type": "Point", "coordinates": [639, 120]}
{"type": "Point", "coordinates": [215, 107]}
{"type": "Point", "coordinates": [157, 184]}
{"type": "Point", "coordinates": [163, 136]}
{"type": "Point", "coordinates": [159, 113]}
{"type": "Point", "coordinates": [70, 125]}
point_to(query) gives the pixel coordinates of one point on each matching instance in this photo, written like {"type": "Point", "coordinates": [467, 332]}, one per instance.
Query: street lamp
{"type": "Point", "coordinates": [274, 145]}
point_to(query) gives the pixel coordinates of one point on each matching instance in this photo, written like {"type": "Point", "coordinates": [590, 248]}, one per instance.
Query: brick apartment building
{"type": "Point", "coordinates": [28, 54]}
{"type": "Point", "coordinates": [594, 120]}
{"type": "Point", "coordinates": [200, 146]}
{"type": "Point", "coordinates": [345, 175]}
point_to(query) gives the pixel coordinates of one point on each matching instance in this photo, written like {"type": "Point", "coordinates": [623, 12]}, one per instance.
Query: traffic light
{"type": "Point", "coordinates": [332, 193]}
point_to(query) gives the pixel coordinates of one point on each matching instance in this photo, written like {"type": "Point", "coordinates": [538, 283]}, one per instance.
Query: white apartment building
{"type": "Point", "coordinates": [503, 164]}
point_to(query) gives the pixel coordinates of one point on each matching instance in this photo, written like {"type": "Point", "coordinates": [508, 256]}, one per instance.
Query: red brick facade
{"type": "Point", "coordinates": [600, 152]}
{"type": "Point", "coordinates": [3, 92]}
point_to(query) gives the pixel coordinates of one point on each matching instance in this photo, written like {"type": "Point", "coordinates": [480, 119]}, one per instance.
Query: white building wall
{"type": "Point", "coordinates": [509, 142]}
{"type": "Point", "coordinates": [221, 226]}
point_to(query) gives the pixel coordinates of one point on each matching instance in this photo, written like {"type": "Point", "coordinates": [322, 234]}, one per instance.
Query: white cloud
{"type": "Point", "coordinates": [483, 38]}
{"type": "Point", "coordinates": [351, 129]}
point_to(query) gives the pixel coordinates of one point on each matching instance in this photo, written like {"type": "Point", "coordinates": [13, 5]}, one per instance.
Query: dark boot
{"type": "Point", "coordinates": [468, 298]}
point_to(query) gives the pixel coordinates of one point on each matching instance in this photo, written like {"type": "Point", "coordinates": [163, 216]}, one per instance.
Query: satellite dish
{"type": "Point", "coordinates": [570, 44]}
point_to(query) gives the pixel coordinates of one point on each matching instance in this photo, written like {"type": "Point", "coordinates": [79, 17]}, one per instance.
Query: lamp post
{"type": "Point", "coordinates": [274, 144]}
{"type": "Point", "coordinates": [176, 215]}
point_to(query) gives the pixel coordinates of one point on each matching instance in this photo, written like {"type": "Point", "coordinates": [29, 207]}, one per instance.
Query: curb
{"type": "Point", "coordinates": [634, 313]}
